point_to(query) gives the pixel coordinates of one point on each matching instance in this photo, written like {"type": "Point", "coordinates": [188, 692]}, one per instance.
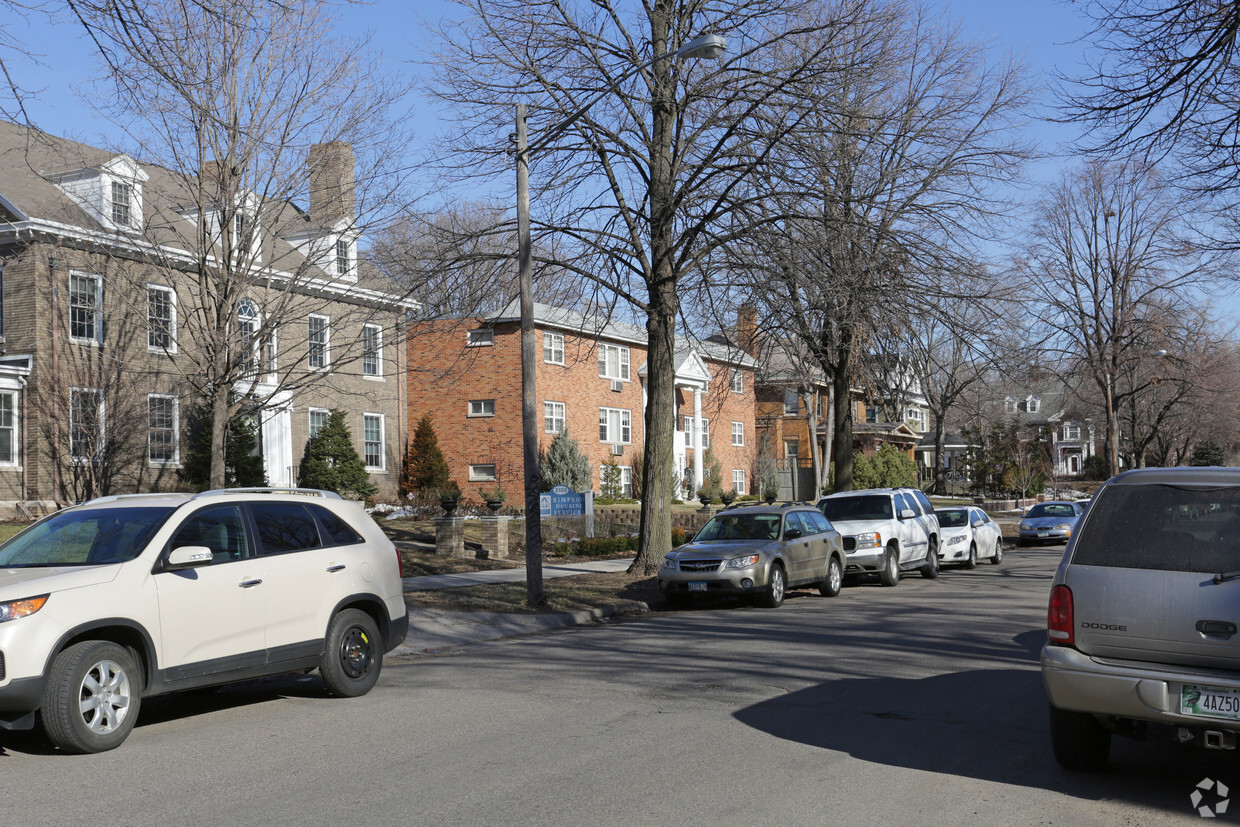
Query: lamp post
{"type": "Point", "coordinates": [707, 46]}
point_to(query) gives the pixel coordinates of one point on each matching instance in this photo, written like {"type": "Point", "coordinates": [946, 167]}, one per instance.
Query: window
{"type": "Point", "coordinates": [1, 302]}
{"type": "Point", "coordinates": [1033, 404]}
{"type": "Point", "coordinates": [85, 300]}
{"type": "Point", "coordinates": [1009, 405]}
{"type": "Point", "coordinates": [318, 418]}
{"type": "Point", "coordinates": [319, 354]}
{"type": "Point", "coordinates": [284, 528]}
{"type": "Point", "coordinates": [871, 413]}
{"type": "Point", "coordinates": [342, 257]}
{"type": "Point", "coordinates": [553, 348]}
{"type": "Point", "coordinates": [122, 198]}
{"type": "Point", "coordinates": [689, 441]}
{"type": "Point", "coordinates": [615, 425]}
{"type": "Point", "coordinates": [738, 433]}
{"type": "Point", "coordinates": [1071, 433]}
{"type": "Point", "coordinates": [247, 337]}
{"type": "Point", "coordinates": [482, 473]}
{"type": "Point", "coordinates": [161, 318]}
{"type": "Point", "coordinates": [738, 481]}
{"type": "Point", "coordinates": [372, 441]}
{"type": "Point", "coordinates": [738, 381]}
{"type": "Point", "coordinates": [162, 433]}
{"type": "Point", "coordinates": [85, 424]}
{"type": "Point", "coordinates": [625, 481]}
{"type": "Point", "coordinates": [792, 448]}
{"type": "Point", "coordinates": [8, 427]}
{"type": "Point", "coordinates": [553, 417]}
{"type": "Point", "coordinates": [792, 405]}
{"type": "Point", "coordinates": [338, 531]}
{"type": "Point", "coordinates": [481, 337]}
{"type": "Point", "coordinates": [613, 362]}
{"type": "Point", "coordinates": [916, 417]}
{"type": "Point", "coordinates": [482, 407]}
{"type": "Point", "coordinates": [221, 529]}
{"type": "Point", "coordinates": [372, 349]}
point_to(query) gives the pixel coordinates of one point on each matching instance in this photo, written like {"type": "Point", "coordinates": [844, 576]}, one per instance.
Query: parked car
{"type": "Point", "coordinates": [759, 551]}
{"type": "Point", "coordinates": [885, 531]}
{"type": "Point", "coordinates": [1144, 613]}
{"type": "Point", "coordinates": [968, 534]}
{"type": "Point", "coordinates": [126, 598]}
{"type": "Point", "coordinates": [1050, 522]}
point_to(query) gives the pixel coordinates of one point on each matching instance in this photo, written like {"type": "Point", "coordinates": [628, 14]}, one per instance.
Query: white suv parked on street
{"type": "Point", "coordinates": [885, 530]}
{"type": "Point", "coordinates": [128, 597]}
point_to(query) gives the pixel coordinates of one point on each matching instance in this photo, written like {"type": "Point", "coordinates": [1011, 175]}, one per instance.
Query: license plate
{"type": "Point", "coordinates": [1044, 534]}
{"type": "Point", "coordinates": [697, 586]}
{"type": "Point", "coordinates": [1210, 702]}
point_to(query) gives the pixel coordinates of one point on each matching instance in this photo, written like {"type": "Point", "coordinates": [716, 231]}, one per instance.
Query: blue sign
{"type": "Point", "coordinates": [562, 501]}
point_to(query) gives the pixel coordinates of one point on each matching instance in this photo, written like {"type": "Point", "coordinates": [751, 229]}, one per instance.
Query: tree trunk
{"type": "Point", "coordinates": [811, 422]}
{"type": "Point", "coordinates": [940, 473]}
{"type": "Point", "coordinates": [840, 381]}
{"type": "Point", "coordinates": [659, 450]}
{"type": "Point", "coordinates": [219, 438]}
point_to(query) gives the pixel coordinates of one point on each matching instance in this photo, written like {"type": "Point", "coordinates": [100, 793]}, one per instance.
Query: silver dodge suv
{"type": "Point", "coordinates": [1144, 616]}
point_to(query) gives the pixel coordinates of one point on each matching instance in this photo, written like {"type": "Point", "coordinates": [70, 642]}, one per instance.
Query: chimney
{"type": "Point", "coordinates": [331, 183]}
{"type": "Point", "coordinates": [747, 328]}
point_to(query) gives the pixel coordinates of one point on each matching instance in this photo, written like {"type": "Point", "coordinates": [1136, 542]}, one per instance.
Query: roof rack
{"type": "Point", "coordinates": [109, 498]}
{"type": "Point", "coordinates": [269, 489]}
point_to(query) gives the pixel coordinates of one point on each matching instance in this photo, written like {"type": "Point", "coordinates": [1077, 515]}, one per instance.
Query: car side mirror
{"type": "Point", "coordinates": [792, 533]}
{"type": "Point", "coordinates": [907, 513]}
{"type": "Point", "coordinates": [188, 557]}
{"type": "Point", "coordinates": [979, 524]}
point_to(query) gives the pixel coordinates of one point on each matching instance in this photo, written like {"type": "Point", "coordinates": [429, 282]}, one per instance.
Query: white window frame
{"type": "Point", "coordinates": [621, 366]}
{"type": "Point", "coordinates": [738, 381]}
{"type": "Point", "coordinates": [480, 337]}
{"type": "Point", "coordinates": [738, 433]}
{"type": "Point", "coordinates": [372, 358]}
{"type": "Point", "coordinates": [623, 424]}
{"type": "Point", "coordinates": [481, 408]}
{"type": "Point", "coordinates": [1009, 405]}
{"type": "Point", "coordinates": [478, 473]}
{"type": "Point", "coordinates": [12, 427]}
{"type": "Point", "coordinates": [175, 427]}
{"type": "Point", "coordinates": [344, 258]}
{"type": "Point", "coordinates": [367, 417]}
{"type": "Point", "coordinates": [553, 348]}
{"type": "Point", "coordinates": [95, 309]}
{"type": "Point", "coordinates": [170, 324]}
{"type": "Point", "coordinates": [114, 203]}
{"type": "Point", "coordinates": [738, 481]}
{"type": "Point", "coordinates": [1033, 404]}
{"type": "Point", "coordinates": [325, 356]}
{"type": "Point", "coordinates": [248, 326]}
{"type": "Point", "coordinates": [626, 480]}
{"type": "Point", "coordinates": [311, 414]}
{"type": "Point", "coordinates": [99, 436]}
{"type": "Point", "coordinates": [1071, 432]}
{"type": "Point", "coordinates": [554, 414]}
{"type": "Point", "coordinates": [689, 433]}
{"type": "Point", "coordinates": [915, 416]}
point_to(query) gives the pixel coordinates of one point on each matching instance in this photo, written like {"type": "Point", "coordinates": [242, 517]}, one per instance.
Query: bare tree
{"type": "Point", "coordinates": [1108, 252]}
{"type": "Point", "coordinates": [235, 99]}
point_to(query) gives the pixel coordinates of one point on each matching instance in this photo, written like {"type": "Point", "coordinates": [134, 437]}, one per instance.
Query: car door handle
{"type": "Point", "coordinates": [1216, 628]}
{"type": "Point", "coordinates": [245, 584]}
{"type": "Point", "coordinates": [337, 567]}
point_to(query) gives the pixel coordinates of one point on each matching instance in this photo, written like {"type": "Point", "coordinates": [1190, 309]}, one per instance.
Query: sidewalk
{"type": "Point", "coordinates": [434, 630]}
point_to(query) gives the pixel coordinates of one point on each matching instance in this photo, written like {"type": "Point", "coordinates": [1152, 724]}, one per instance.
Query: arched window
{"type": "Point", "coordinates": [247, 336]}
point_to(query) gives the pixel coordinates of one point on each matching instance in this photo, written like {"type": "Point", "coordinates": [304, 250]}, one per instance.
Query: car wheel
{"type": "Point", "coordinates": [971, 563]}
{"type": "Point", "coordinates": [930, 569]}
{"type": "Point", "coordinates": [835, 579]}
{"type": "Point", "coordinates": [773, 597]}
{"type": "Point", "coordinates": [998, 558]}
{"type": "Point", "coordinates": [890, 575]}
{"type": "Point", "coordinates": [93, 695]}
{"type": "Point", "coordinates": [352, 656]}
{"type": "Point", "coordinates": [1079, 741]}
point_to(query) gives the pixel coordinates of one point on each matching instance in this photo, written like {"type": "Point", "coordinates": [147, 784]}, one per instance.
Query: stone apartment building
{"type": "Point", "coordinates": [101, 323]}
{"type": "Point", "coordinates": [466, 373]}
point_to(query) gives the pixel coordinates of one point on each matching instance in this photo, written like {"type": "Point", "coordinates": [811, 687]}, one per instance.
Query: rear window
{"type": "Point", "coordinates": [953, 519]}
{"type": "Point", "coordinates": [866, 507]}
{"type": "Point", "coordinates": [1164, 528]}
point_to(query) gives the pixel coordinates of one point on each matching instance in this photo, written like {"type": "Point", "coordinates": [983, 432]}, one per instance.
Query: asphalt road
{"type": "Point", "coordinates": [920, 704]}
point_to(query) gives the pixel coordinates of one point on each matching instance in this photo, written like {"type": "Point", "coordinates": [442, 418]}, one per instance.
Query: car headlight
{"type": "Point", "coordinates": [20, 608]}
{"type": "Point", "coordinates": [1026, 527]}
{"type": "Point", "coordinates": [871, 539]}
{"type": "Point", "coordinates": [1064, 527]}
{"type": "Point", "coordinates": [957, 540]}
{"type": "Point", "coordinates": [669, 562]}
{"type": "Point", "coordinates": [743, 562]}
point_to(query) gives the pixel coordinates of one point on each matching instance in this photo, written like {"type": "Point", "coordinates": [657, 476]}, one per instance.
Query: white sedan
{"type": "Point", "coordinates": [968, 534]}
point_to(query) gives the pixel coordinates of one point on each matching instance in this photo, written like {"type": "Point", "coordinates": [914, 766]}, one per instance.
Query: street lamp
{"type": "Point", "coordinates": [702, 46]}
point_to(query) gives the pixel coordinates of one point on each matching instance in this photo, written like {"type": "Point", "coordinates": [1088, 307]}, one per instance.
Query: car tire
{"type": "Point", "coordinates": [998, 558]}
{"type": "Point", "coordinates": [773, 596]}
{"type": "Point", "coordinates": [971, 563]}
{"type": "Point", "coordinates": [93, 695]}
{"type": "Point", "coordinates": [890, 575]}
{"type": "Point", "coordinates": [930, 568]}
{"type": "Point", "coordinates": [1080, 743]}
{"type": "Point", "coordinates": [352, 654]}
{"type": "Point", "coordinates": [835, 579]}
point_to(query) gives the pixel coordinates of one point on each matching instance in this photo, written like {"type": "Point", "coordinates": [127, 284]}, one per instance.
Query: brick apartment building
{"type": "Point", "coordinates": [97, 323]}
{"type": "Point", "coordinates": [466, 373]}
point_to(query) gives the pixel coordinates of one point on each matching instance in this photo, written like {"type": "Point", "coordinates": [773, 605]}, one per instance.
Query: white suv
{"type": "Point", "coordinates": [129, 597]}
{"type": "Point", "coordinates": [885, 530]}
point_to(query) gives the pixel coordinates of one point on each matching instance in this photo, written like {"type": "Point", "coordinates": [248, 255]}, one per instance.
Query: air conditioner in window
{"type": "Point", "coordinates": [617, 385]}
{"type": "Point", "coordinates": [617, 450]}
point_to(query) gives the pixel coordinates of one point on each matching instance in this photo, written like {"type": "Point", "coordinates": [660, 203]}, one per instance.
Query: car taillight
{"type": "Point", "coordinates": [1059, 617]}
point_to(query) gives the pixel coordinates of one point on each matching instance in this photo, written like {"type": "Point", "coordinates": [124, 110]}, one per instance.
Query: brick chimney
{"type": "Point", "coordinates": [331, 183]}
{"type": "Point", "coordinates": [747, 328]}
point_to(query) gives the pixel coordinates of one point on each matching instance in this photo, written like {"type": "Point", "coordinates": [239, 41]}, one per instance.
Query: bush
{"type": "Point", "coordinates": [243, 466]}
{"type": "Point", "coordinates": [888, 468]}
{"type": "Point", "coordinates": [564, 464]}
{"type": "Point", "coordinates": [332, 463]}
{"type": "Point", "coordinates": [425, 469]}
{"type": "Point", "coordinates": [1094, 467]}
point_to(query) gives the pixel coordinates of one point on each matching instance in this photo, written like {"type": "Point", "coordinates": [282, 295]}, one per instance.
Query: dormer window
{"type": "Point", "coordinates": [1033, 404]}
{"type": "Point", "coordinates": [342, 257]}
{"type": "Point", "coordinates": [122, 198]}
{"type": "Point", "coordinates": [1009, 405]}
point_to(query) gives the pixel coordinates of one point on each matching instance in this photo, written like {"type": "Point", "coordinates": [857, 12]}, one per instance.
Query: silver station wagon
{"type": "Point", "coordinates": [1144, 616]}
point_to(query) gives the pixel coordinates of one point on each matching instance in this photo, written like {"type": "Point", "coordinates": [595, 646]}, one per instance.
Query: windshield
{"type": "Point", "coordinates": [740, 527]}
{"type": "Point", "coordinates": [84, 538]}
{"type": "Point", "coordinates": [868, 507]}
{"type": "Point", "coordinates": [953, 519]}
{"type": "Point", "coordinates": [1052, 510]}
